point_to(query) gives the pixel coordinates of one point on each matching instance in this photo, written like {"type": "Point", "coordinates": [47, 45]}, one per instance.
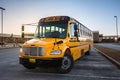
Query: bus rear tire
{"type": "Point", "coordinates": [87, 53]}
{"type": "Point", "coordinates": [66, 64]}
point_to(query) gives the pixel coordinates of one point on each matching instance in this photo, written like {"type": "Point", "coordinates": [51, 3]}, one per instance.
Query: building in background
{"type": "Point", "coordinates": [110, 38]}
{"type": "Point", "coordinates": [11, 38]}
{"type": "Point", "coordinates": [97, 38]}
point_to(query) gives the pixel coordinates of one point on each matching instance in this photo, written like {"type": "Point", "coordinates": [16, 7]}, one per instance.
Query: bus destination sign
{"type": "Point", "coordinates": [54, 18]}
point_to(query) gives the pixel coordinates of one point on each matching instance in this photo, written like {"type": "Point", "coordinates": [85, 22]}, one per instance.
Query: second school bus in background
{"type": "Point", "coordinates": [59, 40]}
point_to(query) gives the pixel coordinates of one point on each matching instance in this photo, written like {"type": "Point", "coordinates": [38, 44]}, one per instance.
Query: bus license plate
{"type": "Point", "coordinates": [32, 60]}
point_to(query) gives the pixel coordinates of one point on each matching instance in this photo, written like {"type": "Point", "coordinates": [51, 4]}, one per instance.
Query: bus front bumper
{"type": "Point", "coordinates": [41, 62]}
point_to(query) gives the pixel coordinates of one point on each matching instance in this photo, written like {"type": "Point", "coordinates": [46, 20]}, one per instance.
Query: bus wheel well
{"type": "Point", "coordinates": [68, 51]}
{"type": "Point", "coordinates": [88, 52]}
{"type": "Point", "coordinates": [82, 52]}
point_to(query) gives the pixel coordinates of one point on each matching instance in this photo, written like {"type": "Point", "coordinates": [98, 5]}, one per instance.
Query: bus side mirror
{"type": "Point", "coordinates": [75, 27]}
{"type": "Point", "coordinates": [76, 30]}
{"type": "Point", "coordinates": [76, 34]}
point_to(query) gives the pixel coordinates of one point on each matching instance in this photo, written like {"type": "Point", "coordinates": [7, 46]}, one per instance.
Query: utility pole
{"type": "Point", "coordinates": [2, 24]}
{"type": "Point", "coordinates": [116, 27]}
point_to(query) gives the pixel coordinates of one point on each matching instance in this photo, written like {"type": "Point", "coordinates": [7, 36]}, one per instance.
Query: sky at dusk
{"type": "Point", "coordinates": [95, 14]}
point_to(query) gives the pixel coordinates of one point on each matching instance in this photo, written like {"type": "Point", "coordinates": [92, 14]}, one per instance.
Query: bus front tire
{"type": "Point", "coordinates": [66, 64]}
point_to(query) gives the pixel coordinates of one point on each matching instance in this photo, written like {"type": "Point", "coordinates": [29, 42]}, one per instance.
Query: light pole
{"type": "Point", "coordinates": [2, 24]}
{"type": "Point", "coordinates": [116, 27]}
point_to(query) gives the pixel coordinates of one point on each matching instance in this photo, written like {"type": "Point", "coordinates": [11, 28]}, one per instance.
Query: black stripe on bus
{"type": "Point", "coordinates": [77, 45]}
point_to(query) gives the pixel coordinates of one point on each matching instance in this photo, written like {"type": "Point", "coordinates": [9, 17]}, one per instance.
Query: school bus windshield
{"type": "Point", "coordinates": [45, 29]}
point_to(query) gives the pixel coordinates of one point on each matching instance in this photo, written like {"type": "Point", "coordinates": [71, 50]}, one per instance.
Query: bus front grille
{"type": "Point", "coordinates": [34, 51]}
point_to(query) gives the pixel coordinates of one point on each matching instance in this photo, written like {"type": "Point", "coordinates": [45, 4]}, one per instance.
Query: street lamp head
{"type": "Point", "coordinates": [2, 8]}
{"type": "Point", "coordinates": [115, 16]}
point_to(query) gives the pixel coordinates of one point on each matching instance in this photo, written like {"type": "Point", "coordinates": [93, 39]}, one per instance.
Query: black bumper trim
{"type": "Point", "coordinates": [40, 62]}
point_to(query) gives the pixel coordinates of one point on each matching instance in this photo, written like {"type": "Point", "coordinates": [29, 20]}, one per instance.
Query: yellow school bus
{"type": "Point", "coordinates": [58, 40]}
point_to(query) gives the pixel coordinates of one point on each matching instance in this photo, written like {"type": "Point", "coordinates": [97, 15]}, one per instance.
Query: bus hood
{"type": "Point", "coordinates": [41, 42]}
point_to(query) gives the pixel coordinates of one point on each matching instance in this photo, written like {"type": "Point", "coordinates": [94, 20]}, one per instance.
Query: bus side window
{"type": "Point", "coordinates": [74, 31]}
{"type": "Point", "coordinates": [71, 31]}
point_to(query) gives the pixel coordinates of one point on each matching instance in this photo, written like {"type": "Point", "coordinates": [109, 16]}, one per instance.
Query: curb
{"type": "Point", "coordinates": [110, 58]}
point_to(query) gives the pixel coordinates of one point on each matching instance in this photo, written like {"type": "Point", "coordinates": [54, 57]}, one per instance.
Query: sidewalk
{"type": "Point", "coordinates": [111, 53]}
{"type": "Point", "coordinates": [10, 45]}
{"type": "Point", "coordinates": [115, 46]}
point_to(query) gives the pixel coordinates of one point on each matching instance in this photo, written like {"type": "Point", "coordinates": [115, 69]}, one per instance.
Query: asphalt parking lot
{"type": "Point", "coordinates": [91, 67]}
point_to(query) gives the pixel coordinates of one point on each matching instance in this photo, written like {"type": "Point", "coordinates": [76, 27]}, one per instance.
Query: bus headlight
{"type": "Point", "coordinates": [55, 52]}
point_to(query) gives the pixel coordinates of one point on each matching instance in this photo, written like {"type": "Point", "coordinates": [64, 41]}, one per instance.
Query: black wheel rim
{"type": "Point", "coordinates": [66, 63]}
